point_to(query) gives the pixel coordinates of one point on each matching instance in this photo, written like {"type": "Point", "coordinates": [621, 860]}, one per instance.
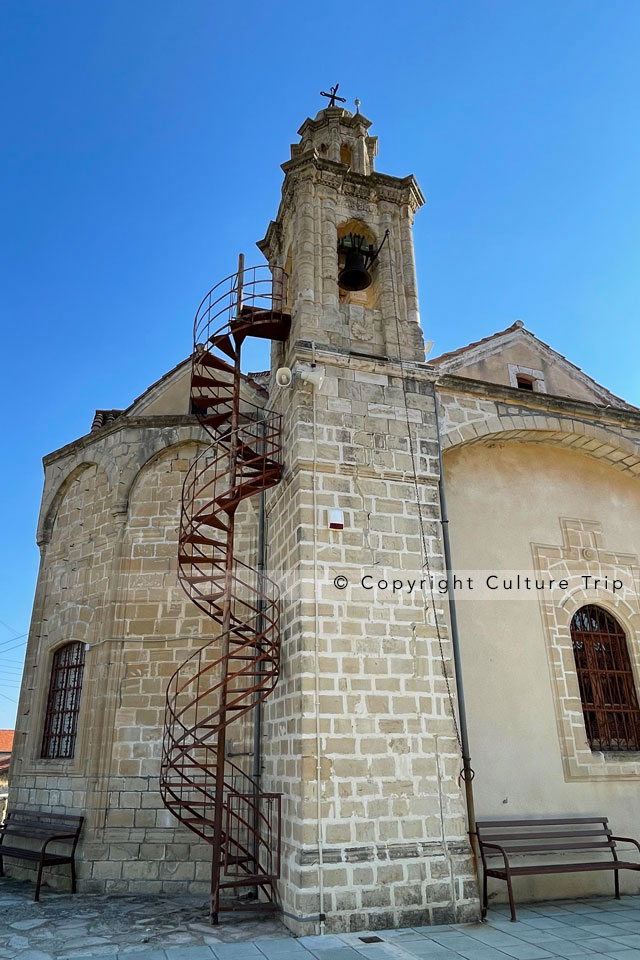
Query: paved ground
{"type": "Point", "coordinates": [62, 927]}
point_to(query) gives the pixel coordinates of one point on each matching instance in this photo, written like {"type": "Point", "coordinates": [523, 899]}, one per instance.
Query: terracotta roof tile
{"type": "Point", "coordinates": [6, 740]}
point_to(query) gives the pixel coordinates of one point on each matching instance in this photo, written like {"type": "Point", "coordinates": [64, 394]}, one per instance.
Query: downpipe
{"type": "Point", "coordinates": [467, 773]}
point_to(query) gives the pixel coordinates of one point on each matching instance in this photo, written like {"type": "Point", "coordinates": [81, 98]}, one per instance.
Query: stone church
{"type": "Point", "coordinates": [317, 595]}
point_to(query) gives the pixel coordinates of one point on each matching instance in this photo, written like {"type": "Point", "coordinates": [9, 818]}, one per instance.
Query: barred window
{"type": "Point", "coordinates": [605, 678]}
{"type": "Point", "coordinates": [65, 688]}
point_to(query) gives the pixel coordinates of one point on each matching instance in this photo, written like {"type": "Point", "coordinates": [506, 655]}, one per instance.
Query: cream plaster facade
{"type": "Point", "coordinates": [360, 735]}
{"type": "Point", "coordinates": [554, 494]}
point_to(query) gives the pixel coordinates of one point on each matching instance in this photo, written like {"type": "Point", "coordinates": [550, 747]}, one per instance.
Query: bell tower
{"type": "Point", "coordinates": [337, 209]}
{"type": "Point", "coordinates": [359, 736]}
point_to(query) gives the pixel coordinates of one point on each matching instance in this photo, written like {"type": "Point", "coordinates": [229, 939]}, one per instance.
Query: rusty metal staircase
{"type": "Point", "coordinates": [230, 675]}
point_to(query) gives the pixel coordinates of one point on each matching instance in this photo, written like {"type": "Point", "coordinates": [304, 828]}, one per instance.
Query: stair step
{"type": "Point", "coordinates": [217, 419]}
{"type": "Point", "coordinates": [209, 359]}
{"type": "Point", "coordinates": [199, 399]}
{"type": "Point", "coordinates": [187, 765]}
{"type": "Point", "coordinates": [210, 520]}
{"type": "Point", "coordinates": [189, 558]}
{"type": "Point", "coordinates": [265, 324]}
{"type": "Point", "coordinates": [249, 880]}
{"type": "Point", "coordinates": [192, 803]}
{"type": "Point", "coordinates": [224, 343]}
{"type": "Point", "coordinates": [199, 538]}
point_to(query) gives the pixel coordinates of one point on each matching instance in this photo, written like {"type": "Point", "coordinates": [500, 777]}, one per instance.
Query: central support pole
{"type": "Point", "coordinates": [220, 841]}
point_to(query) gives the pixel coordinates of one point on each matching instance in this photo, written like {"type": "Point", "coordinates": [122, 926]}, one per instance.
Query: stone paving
{"type": "Point", "coordinates": [62, 927]}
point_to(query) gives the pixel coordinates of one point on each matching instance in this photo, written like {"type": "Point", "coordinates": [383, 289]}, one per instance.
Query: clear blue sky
{"type": "Point", "coordinates": [142, 144]}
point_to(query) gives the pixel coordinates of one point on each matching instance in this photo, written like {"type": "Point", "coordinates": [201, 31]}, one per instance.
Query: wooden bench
{"type": "Point", "coordinates": [43, 828]}
{"type": "Point", "coordinates": [545, 839]}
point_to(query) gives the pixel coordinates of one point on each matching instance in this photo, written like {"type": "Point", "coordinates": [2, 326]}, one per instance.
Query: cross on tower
{"type": "Point", "coordinates": [333, 95]}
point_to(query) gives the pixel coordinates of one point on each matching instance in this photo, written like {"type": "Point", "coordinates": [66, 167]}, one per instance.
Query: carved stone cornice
{"type": "Point", "coordinates": [309, 167]}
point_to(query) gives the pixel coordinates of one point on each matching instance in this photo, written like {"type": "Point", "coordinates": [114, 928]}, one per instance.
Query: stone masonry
{"type": "Point", "coordinates": [360, 734]}
{"type": "Point", "coordinates": [361, 738]}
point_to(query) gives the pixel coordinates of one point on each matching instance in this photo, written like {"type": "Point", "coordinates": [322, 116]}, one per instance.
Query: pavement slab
{"type": "Point", "coordinates": [91, 926]}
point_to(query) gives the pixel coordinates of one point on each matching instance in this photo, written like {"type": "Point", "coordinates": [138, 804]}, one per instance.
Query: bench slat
{"type": "Point", "coordinates": [564, 868]}
{"type": "Point", "coordinates": [541, 847]}
{"type": "Point", "coordinates": [32, 816]}
{"type": "Point", "coordinates": [18, 852]}
{"type": "Point", "coordinates": [534, 821]}
{"type": "Point", "coordinates": [53, 830]}
{"type": "Point", "coordinates": [551, 835]}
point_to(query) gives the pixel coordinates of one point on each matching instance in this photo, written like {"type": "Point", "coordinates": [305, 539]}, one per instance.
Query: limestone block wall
{"type": "Point", "coordinates": [320, 203]}
{"type": "Point", "coordinates": [472, 411]}
{"type": "Point", "coordinates": [109, 579]}
{"type": "Point", "coordinates": [389, 810]}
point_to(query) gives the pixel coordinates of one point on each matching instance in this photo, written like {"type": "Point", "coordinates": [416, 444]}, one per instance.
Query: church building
{"type": "Point", "coordinates": [282, 619]}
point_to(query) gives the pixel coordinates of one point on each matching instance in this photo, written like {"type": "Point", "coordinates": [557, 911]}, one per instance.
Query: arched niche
{"type": "Point", "coordinates": [364, 298]}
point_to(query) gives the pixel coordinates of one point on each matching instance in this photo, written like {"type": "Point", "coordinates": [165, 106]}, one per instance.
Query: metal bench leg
{"type": "Point", "coordinates": [484, 894]}
{"type": "Point", "coordinates": [511, 903]}
{"type": "Point", "coordinates": [1, 866]}
{"type": "Point", "coordinates": [39, 880]}
{"type": "Point", "coordinates": [73, 876]}
{"type": "Point", "coordinates": [617, 888]}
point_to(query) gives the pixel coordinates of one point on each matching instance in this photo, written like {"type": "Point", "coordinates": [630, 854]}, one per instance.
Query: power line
{"type": "Point", "coordinates": [11, 629]}
{"type": "Point", "coordinates": [9, 649]}
{"type": "Point", "coordinates": [10, 699]}
{"type": "Point", "coordinates": [3, 643]}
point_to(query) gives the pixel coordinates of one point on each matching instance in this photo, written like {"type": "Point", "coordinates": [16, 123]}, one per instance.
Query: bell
{"type": "Point", "coordinates": [354, 275]}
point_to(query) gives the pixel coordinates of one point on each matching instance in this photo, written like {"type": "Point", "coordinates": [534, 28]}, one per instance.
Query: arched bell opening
{"type": "Point", "coordinates": [357, 272]}
{"type": "Point", "coordinates": [346, 154]}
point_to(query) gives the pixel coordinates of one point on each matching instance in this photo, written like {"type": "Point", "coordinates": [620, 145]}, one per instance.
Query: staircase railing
{"type": "Point", "coordinates": [232, 673]}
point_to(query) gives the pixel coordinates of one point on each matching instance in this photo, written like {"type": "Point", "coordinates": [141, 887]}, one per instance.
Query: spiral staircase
{"type": "Point", "coordinates": [229, 676]}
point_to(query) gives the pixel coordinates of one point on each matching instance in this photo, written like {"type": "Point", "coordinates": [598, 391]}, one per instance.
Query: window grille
{"type": "Point", "coordinates": [63, 705]}
{"type": "Point", "coordinates": [605, 678]}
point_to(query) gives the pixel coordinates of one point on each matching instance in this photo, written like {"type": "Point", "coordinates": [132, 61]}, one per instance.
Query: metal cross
{"type": "Point", "coordinates": [333, 95]}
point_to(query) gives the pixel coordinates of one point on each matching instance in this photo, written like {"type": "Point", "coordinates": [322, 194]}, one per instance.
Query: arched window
{"type": "Point", "coordinates": [605, 678]}
{"type": "Point", "coordinates": [65, 688]}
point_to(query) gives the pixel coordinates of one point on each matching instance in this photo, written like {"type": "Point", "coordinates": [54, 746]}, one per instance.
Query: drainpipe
{"type": "Point", "coordinates": [256, 768]}
{"type": "Point", "coordinates": [467, 771]}
{"type": "Point", "coordinates": [256, 764]}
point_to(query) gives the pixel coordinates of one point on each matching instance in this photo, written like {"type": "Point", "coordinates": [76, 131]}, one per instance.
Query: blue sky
{"type": "Point", "coordinates": [142, 144]}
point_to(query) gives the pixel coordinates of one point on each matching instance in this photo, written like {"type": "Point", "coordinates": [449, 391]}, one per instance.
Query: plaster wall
{"type": "Point", "coordinates": [513, 506]}
{"type": "Point", "coordinates": [558, 381]}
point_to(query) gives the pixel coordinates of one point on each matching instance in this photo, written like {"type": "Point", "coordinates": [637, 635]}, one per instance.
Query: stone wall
{"type": "Point", "coordinates": [108, 578]}
{"type": "Point", "coordinates": [390, 815]}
